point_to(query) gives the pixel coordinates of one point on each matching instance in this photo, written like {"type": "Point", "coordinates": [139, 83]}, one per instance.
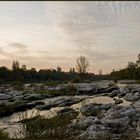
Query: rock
{"type": "Point", "coordinates": [44, 107]}
{"type": "Point", "coordinates": [88, 121]}
{"type": "Point", "coordinates": [34, 104]}
{"type": "Point", "coordinates": [91, 109]}
{"type": "Point", "coordinates": [4, 96]}
{"type": "Point", "coordinates": [136, 89]}
{"type": "Point", "coordinates": [106, 107]}
{"type": "Point", "coordinates": [32, 97]}
{"type": "Point", "coordinates": [118, 101]}
{"type": "Point", "coordinates": [67, 115]}
{"type": "Point", "coordinates": [67, 102]}
{"type": "Point", "coordinates": [118, 125]}
{"type": "Point", "coordinates": [19, 97]}
{"type": "Point", "coordinates": [123, 92]}
{"type": "Point", "coordinates": [118, 122]}
{"type": "Point", "coordinates": [114, 93]}
{"type": "Point", "coordinates": [94, 109]}
{"type": "Point", "coordinates": [95, 131]}
{"type": "Point", "coordinates": [111, 89]}
{"type": "Point", "coordinates": [86, 91]}
{"type": "Point", "coordinates": [121, 95]}
{"type": "Point", "coordinates": [131, 97]}
{"type": "Point", "coordinates": [67, 112]}
{"type": "Point", "coordinates": [122, 111]}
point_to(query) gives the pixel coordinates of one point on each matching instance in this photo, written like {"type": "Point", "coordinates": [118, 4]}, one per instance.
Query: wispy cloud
{"type": "Point", "coordinates": [55, 33]}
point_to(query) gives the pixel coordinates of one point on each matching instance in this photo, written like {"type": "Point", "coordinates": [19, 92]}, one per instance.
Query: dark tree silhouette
{"type": "Point", "coordinates": [23, 67]}
{"type": "Point", "coordinates": [15, 65]}
{"type": "Point", "coordinates": [82, 64]}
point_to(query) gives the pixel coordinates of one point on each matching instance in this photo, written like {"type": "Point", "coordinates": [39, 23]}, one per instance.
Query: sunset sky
{"type": "Point", "coordinates": [50, 34]}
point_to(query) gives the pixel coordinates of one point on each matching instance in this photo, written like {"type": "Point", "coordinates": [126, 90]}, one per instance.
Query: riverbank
{"type": "Point", "coordinates": [103, 109]}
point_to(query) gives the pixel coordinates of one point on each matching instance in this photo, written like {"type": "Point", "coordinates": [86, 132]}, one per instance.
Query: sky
{"type": "Point", "coordinates": [47, 34]}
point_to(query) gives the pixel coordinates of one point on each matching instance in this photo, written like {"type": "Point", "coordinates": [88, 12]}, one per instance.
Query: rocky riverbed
{"type": "Point", "coordinates": [104, 110]}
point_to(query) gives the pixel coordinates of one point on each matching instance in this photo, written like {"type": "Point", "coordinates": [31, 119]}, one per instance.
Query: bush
{"type": "Point", "coordinates": [1, 81]}
{"type": "Point", "coordinates": [33, 126]}
{"type": "Point", "coordinates": [52, 83]}
{"type": "Point", "coordinates": [111, 84]}
{"type": "Point", "coordinates": [69, 90]}
{"type": "Point", "coordinates": [3, 135]}
{"type": "Point", "coordinates": [76, 80]}
{"type": "Point", "coordinates": [37, 126]}
{"type": "Point", "coordinates": [17, 85]}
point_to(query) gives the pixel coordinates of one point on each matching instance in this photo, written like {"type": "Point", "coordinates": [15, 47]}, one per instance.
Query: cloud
{"type": "Point", "coordinates": [19, 47]}
{"type": "Point", "coordinates": [97, 29]}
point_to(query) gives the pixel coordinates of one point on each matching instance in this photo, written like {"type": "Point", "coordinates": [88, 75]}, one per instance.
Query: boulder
{"type": "Point", "coordinates": [118, 101]}
{"type": "Point", "coordinates": [114, 93]}
{"type": "Point", "coordinates": [4, 96]}
{"type": "Point", "coordinates": [131, 97]}
{"type": "Point", "coordinates": [95, 131]}
{"type": "Point", "coordinates": [94, 109]}
{"type": "Point", "coordinates": [88, 121]}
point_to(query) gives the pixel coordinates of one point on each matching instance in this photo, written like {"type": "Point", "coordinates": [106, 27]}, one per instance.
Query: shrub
{"type": "Point", "coordinates": [69, 90]}
{"type": "Point", "coordinates": [76, 80]}
{"type": "Point", "coordinates": [17, 85]}
{"type": "Point", "coordinates": [32, 126]}
{"type": "Point", "coordinates": [3, 135]}
{"type": "Point", "coordinates": [36, 126]}
{"type": "Point", "coordinates": [111, 84]}
{"type": "Point", "coordinates": [52, 83]}
{"type": "Point", "coordinates": [1, 81]}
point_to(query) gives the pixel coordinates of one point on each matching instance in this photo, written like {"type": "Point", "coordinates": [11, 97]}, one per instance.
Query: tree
{"type": "Point", "coordinates": [59, 69]}
{"type": "Point", "coordinates": [82, 64]}
{"type": "Point", "coordinates": [70, 70]}
{"type": "Point", "coordinates": [15, 65]}
{"type": "Point", "coordinates": [138, 61]}
{"type": "Point", "coordinates": [73, 70]}
{"type": "Point", "coordinates": [100, 72]}
{"type": "Point", "coordinates": [23, 67]}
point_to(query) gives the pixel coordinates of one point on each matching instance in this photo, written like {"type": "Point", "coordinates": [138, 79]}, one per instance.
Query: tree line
{"type": "Point", "coordinates": [78, 74]}
{"type": "Point", "coordinates": [132, 71]}
{"type": "Point", "coordinates": [17, 73]}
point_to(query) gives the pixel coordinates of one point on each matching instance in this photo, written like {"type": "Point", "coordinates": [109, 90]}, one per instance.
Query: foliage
{"type": "Point", "coordinates": [52, 83]}
{"type": "Point", "coordinates": [33, 126]}
{"type": "Point", "coordinates": [17, 85]}
{"type": "Point", "coordinates": [4, 135]}
{"type": "Point", "coordinates": [69, 90]}
{"type": "Point", "coordinates": [76, 80]}
{"type": "Point", "coordinates": [36, 126]}
{"type": "Point", "coordinates": [132, 71]}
